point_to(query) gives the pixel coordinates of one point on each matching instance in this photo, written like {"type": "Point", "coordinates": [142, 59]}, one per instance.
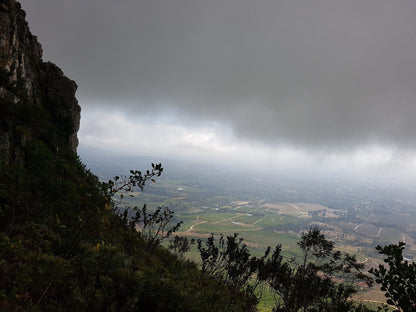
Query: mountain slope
{"type": "Point", "coordinates": [63, 247]}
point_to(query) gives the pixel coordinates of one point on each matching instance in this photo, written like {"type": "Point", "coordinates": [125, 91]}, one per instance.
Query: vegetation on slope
{"type": "Point", "coordinates": [63, 244]}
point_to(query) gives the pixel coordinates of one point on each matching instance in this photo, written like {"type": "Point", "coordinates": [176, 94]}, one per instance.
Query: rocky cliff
{"type": "Point", "coordinates": [31, 87]}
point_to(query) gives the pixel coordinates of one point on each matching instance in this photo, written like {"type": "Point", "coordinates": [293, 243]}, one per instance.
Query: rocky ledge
{"type": "Point", "coordinates": [24, 77]}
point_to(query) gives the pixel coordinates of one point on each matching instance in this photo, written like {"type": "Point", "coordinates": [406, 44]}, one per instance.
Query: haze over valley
{"type": "Point", "coordinates": [269, 207]}
{"type": "Point", "coordinates": [263, 206]}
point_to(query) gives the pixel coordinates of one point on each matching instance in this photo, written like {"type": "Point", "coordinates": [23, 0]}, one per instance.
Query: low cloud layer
{"type": "Point", "coordinates": [327, 75]}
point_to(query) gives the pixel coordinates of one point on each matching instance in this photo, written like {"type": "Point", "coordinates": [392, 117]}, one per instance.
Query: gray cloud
{"type": "Point", "coordinates": [330, 74]}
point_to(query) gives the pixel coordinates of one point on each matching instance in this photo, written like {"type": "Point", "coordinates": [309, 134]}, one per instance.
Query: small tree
{"type": "Point", "coordinates": [153, 226]}
{"type": "Point", "coordinates": [230, 261]}
{"type": "Point", "coordinates": [179, 245]}
{"type": "Point", "coordinates": [311, 286]}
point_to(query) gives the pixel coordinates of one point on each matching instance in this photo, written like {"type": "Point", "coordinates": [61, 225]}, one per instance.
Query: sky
{"type": "Point", "coordinates": [318, 84]}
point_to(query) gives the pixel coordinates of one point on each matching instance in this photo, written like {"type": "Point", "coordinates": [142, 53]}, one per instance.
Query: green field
{"type": "Point", "coordinates": [268, 211]}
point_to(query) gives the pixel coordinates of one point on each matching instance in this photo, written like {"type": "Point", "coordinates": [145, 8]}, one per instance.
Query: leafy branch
{"type": "Point", "coordinates": [399, 280]}
{"type": "Point", "coordinates": [154, 227]}
{"type": "Point", "coordinates": [126, 185]}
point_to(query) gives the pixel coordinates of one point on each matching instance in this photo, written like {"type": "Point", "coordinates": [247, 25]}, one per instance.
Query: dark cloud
{"type": "Point", "coordinates": [324, 73]}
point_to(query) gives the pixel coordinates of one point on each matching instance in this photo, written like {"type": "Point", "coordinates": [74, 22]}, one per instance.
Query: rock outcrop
{"type": "Point", "coordinates": [25, 78]}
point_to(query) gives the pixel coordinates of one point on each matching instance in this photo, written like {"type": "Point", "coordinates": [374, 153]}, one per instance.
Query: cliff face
{"type": "Point", "coordinates": [25, 78]}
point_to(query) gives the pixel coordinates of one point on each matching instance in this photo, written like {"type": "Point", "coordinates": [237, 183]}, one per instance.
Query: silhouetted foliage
{"type": "Point", "coordinates": [152, 226]}
{"type": "Point", "coordinates": [136, 179]}
{"type": "Point", "coordinates": [229, 261]}
{"type": "Point", "coordinates": [398, 281]}
{"type": "Point", "coordinates": [179, 245]}
{"type": "Point", "coordinates": [311, 285]}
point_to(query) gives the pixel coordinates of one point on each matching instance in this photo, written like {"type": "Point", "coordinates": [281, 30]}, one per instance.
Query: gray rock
{"type": "Point", "coordinates": [41, 83]}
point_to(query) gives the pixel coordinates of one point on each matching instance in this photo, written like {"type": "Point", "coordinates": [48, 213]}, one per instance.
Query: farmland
{"type": "Point", "coordinates": [267, 210]}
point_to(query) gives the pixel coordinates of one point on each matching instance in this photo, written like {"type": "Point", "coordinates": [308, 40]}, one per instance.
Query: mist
{"type": "Point", "coordinates": [322, 86]}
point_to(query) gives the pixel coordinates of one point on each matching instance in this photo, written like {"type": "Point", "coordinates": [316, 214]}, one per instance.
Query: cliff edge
{"type": "Point", "coordinates": [33, 87]}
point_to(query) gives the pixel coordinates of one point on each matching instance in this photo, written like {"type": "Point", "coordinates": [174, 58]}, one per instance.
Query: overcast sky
{"type": "Point", "coordinates": [324, 83]}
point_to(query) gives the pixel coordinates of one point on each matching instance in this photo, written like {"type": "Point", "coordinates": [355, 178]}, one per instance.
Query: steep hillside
{"type": "Point", "coordinates": [63, 247]}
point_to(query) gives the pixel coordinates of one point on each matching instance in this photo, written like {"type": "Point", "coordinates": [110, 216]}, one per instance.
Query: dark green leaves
{"type": "Point", "coordinates": [399, 279]}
